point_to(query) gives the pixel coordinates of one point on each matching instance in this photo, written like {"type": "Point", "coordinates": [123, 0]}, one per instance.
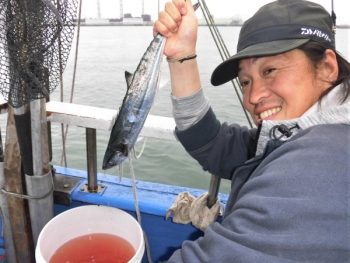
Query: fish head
{"type": "Point", "coordinates": [116, 156]}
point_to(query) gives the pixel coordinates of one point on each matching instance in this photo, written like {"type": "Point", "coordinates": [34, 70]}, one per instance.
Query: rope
{"type": "Point", "coordinates": [138, 214]}
{"type": "Point", "coordinates": [73, 81]}
{"type": "Point", "coordinates": [224, 53]}
{"type": "Point", "coordinates": [3, 191]}
{"type": "Point", "coordinates": [61, 89]}
{"type": "Point", "coordinates": [334, 18]}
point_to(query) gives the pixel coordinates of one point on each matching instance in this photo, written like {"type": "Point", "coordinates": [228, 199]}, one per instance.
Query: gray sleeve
{"type": "Point", "coordinates": [188, 110]}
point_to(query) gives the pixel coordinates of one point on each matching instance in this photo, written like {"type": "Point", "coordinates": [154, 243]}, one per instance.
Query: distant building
{"type": "Point", "coordinates": [236, 20]}
{"type": "Point", "coordinates": [231, 21]}
{"type": "Point", "coordinates": [132, 21]}
{"type": "Point", "coordinates": [96, 21]}
{"type": "Point", "coordinates": [127, 20]}
{"type": "Point", "coordinates": [116, 20]}
{"type": "Point", "coordinates": [146, 18]}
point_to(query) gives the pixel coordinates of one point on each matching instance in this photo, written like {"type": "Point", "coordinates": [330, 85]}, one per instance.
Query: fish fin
{"type": "Point", "coordinates": [128, 78]}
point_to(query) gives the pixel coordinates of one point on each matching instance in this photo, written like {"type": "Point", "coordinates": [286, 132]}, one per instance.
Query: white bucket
{"type": "Point", "coordinates": [85, 220]}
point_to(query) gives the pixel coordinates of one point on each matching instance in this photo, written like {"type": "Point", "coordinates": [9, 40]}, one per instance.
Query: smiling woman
{"type": "Point", "coordinates": [289, 177]}
{"type": "Point", "coordinates": [284, 86]}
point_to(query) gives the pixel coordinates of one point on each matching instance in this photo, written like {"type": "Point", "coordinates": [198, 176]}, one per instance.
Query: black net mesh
{"type": "Point", "coordinates": [35, 41]}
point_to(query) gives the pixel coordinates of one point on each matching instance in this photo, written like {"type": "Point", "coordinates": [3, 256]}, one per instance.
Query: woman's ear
{"type": "Point", "coordinates": [330, 66]}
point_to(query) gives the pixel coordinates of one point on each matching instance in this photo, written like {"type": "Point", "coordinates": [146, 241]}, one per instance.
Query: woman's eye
{"type": "Point", "coordinates": [244, 83]}
{"type": "Point", "coordinates": [269, 71]}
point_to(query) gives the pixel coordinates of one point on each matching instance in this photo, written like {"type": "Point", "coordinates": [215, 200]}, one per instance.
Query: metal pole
{"type": "Point", "coordinates": [49, 138]}
{"type": "Point", "coordinates": [143, 7]}
{"type": "Point", "coordinates": [98, 9]}
{"type": "Point", "coordinates": [213, 190]}
{"type": "Point", "coordinates": [22, 121]}
{"type": "Point", "coordinates": [40, 184]}
{"type": "Point", "coordinates": [91, 159]}
{"type": "Point", "coordinates": [36, 136]}
{"type": "Point", "coordinates": [121, 9]}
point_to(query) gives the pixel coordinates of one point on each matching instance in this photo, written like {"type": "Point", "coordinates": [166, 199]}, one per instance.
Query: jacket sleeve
{"type": "Point", "coordinates": [219, 148]}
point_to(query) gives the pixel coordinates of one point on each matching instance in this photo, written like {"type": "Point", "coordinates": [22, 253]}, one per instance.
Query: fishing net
{"type": "Point", "coordinates": [35, 41]}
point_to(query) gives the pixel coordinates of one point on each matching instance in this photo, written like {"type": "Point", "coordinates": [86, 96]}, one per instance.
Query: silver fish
{"type": "Point", "coordinates": [142, 87]}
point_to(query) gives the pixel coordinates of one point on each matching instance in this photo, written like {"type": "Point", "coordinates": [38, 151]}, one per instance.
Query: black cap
{"type": "Point", "coordinates": [276, 28]}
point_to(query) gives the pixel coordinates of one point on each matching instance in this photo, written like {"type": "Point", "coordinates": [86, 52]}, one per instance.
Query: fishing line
{"type": "Point", "coordinates": [120, 172]}
{"type": "Point", "coordinates": [138, 214]}
{"type": "Point", "coordinates": [143, 147]}
{"type": "Point", "coordinates": [64, 137]}
{"type": "Point", "coordinates": [223, 50]}
{"type": "Point", "coordinates": [144, 142]}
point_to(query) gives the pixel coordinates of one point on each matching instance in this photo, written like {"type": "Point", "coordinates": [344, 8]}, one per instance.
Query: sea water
{"type": "Point", "coordinates": [104, 54]}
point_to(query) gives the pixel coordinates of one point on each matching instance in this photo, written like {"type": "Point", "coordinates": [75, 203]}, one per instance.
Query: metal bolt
{"type": "Point", "coordinates": [66, 185]}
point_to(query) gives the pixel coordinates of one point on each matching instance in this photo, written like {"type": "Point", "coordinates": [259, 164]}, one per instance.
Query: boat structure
{"type": "Point", "coordinates": [73, 188]}
{"type": "Point", "coordinates": [32, 190]}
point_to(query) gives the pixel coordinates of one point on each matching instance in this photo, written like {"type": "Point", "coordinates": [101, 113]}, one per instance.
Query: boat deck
{"type": "Point", "coordinates": [154, 199]}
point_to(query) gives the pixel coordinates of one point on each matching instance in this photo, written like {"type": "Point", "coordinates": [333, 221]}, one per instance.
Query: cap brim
{"type": "Point", "coordinates": [228, 69]}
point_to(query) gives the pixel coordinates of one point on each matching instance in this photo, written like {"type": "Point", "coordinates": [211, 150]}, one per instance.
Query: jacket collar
{"type": "Point", "coordinates": [327, 111]}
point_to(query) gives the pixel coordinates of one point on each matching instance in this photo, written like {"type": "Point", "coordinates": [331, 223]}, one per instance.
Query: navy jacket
{"type": "Point", "coordinates": [290, 198]}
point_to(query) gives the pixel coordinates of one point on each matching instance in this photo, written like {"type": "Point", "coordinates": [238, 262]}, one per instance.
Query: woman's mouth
{"type": "Point", "coordinates": [269, 112]}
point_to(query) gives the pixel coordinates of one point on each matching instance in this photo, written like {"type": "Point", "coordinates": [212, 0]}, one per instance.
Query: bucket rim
{"type": "Point", "coordinates": [139, 251]}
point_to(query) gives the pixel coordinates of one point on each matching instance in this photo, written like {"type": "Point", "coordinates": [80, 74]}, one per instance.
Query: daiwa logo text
{"type": "Point", "coordinates": [309, 31]}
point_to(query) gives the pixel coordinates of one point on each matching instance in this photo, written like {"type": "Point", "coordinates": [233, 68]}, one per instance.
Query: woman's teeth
{"type": "Point", "coordinates": [269, 112]}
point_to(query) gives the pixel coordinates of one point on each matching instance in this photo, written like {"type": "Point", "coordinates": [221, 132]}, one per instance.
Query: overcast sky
{"type": "Point", "coordinates": [220, 8]}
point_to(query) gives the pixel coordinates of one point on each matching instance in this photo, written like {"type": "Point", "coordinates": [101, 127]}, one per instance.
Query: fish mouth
{"type": "Point", "coordinates": [106, 167]}
{"type": "Point", "coordinates": [109, 164]}
{"type": "Point", "coordinates": [116, 160]}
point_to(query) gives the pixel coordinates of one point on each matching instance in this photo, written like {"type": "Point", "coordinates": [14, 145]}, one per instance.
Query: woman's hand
{"type": "Point", "coordinates": [179, 24]}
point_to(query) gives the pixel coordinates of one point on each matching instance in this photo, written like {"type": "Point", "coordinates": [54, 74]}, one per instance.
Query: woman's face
{"type": "Point", "coordinates": [280, 87]}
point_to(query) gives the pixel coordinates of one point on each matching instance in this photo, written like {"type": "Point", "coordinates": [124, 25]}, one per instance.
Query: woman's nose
{"type": "Point", "coordinates": [258, 91]}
